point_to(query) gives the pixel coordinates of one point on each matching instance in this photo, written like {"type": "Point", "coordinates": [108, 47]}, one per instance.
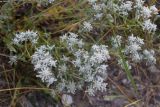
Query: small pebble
{"type": "Point", "coordinates": [66, 100]}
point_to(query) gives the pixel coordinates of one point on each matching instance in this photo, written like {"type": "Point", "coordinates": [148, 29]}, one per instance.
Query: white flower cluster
{"type": "Point", "coordinates": [90, 65]}
{"type": "Point", "coordinates": [25, 36]}
{"type": "Point", "coordinates": [146, 12]}
{"type": "Point", "coordinates": [98, 8]}
{"type": "Point", "coordinates": [75, 68]}
{"type": "Point", "coordinates": [134, 49]}
{"type": "Point", "coordinates": [112, 6]}
{"type": "Point", "coordinates": [43, 63]}
{"type": "Point", "coordinates": [141, 11]}
{"type": "Point", "coordinates": [123, 7]}
{"type": "Point", "coordinates": [148, 26]}
{"type": "Point", "coordinates": [84, 66]}
{"type": "Point", "coordinates": [72, 40]}
{"type": "Point", "coordinates": [139, 4]}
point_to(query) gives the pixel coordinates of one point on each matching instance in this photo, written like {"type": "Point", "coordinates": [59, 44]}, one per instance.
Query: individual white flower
{"type": "Point", "coordinates": [133, 48]}
{"type": "Point", "coordinates": [63, 38]}
{"type": "Point", "coordinates": [77, 62]}
{"type": "Point", "coordinates": [46, 76]}
{"type": "Point", "coordinates": [71, 87]}
{"type": "Point", "coordinates": [98, 7]}
{"type": "Point", "coordinates": [102, 69]}
{"type": "Point", "coordinates": [66, 100]}
{"type": "Point", "coordinates": [13, 60]}
{"type": "Point", "coordinates": [139, 4]}
{"type": "Point", "coordinates": [149, 56]}
{"type": "Point", "coordinates": [87, 26]}
{"type": "Point", "coordinates": [71, 40]}
{"type": "Point", "coordinates": [136, 57]}
{"type": "Point", "coordinates": [90, 91]}
{"type": "Point", "coordinates": [148, 26]}
{"type": "Point", "coordinates": [25, 36]}
{"type": "Point", "coordinates": [132, 40]}
{"type": "Point", "coordinates": [139, 7]}
{"type": "Point", "coordinates": [100, 54]}
{"type": "Point", "coordinates": [63, 68]}
{"type": "Point", "coordinates": [112, 6]}
{"type": "Point", "coordinates": [125, 7]}
{"type": "Point", "coordinates": [146, 12]}
{"type": "Point", "coordinates": [154, 9]}
{"type": "Point", "coordinates": [98, 16]}
{"type": "Point", "coordinates": [116, 41]}
{"type": "Point", "coordinates": [98, 84]}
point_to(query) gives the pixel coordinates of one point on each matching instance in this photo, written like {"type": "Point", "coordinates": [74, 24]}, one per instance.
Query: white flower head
{"type": "Point", "coordinates": [133, 47]}
{"type": "Point", "coordinates": [90, 91]}
{"type": "Point", "coordinates": [46, 76]}
{"type": "Point", "coordinates": [135, 40]}
{"type": "Point", "coordinates": [71, 39]}
{"type": "Point", "coordinates": [139, 4]}
{"type": "Point", "coordinates": [25, 36]}
{"type": "Point", "coordinates": [146, 12]}
{"type": "Point", "coordinates": [112, 6]}
{"type": "Point", "coordinates": [116, 41]}
{"type": "Point", "coordinates": [100, 54]}
{"type": "Point", "coordinates": [71, 87]}
{"type": "Point", "coordinates": [125, 7]}
{"type": "Point", "coordinates": [148, 26]}
{"type": "Point", "coordinates": [98, 16]}
{"type": "Point", "coordinates": [98, 7]}
{"type": "Point", "coordinates": [99, 84]}
{"type": "Point", "coordinates": [13, 60]}
{"type": "Point", "coordinates": [87, 26]}
{"type": "Point", "coordinates": [154, 9]}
